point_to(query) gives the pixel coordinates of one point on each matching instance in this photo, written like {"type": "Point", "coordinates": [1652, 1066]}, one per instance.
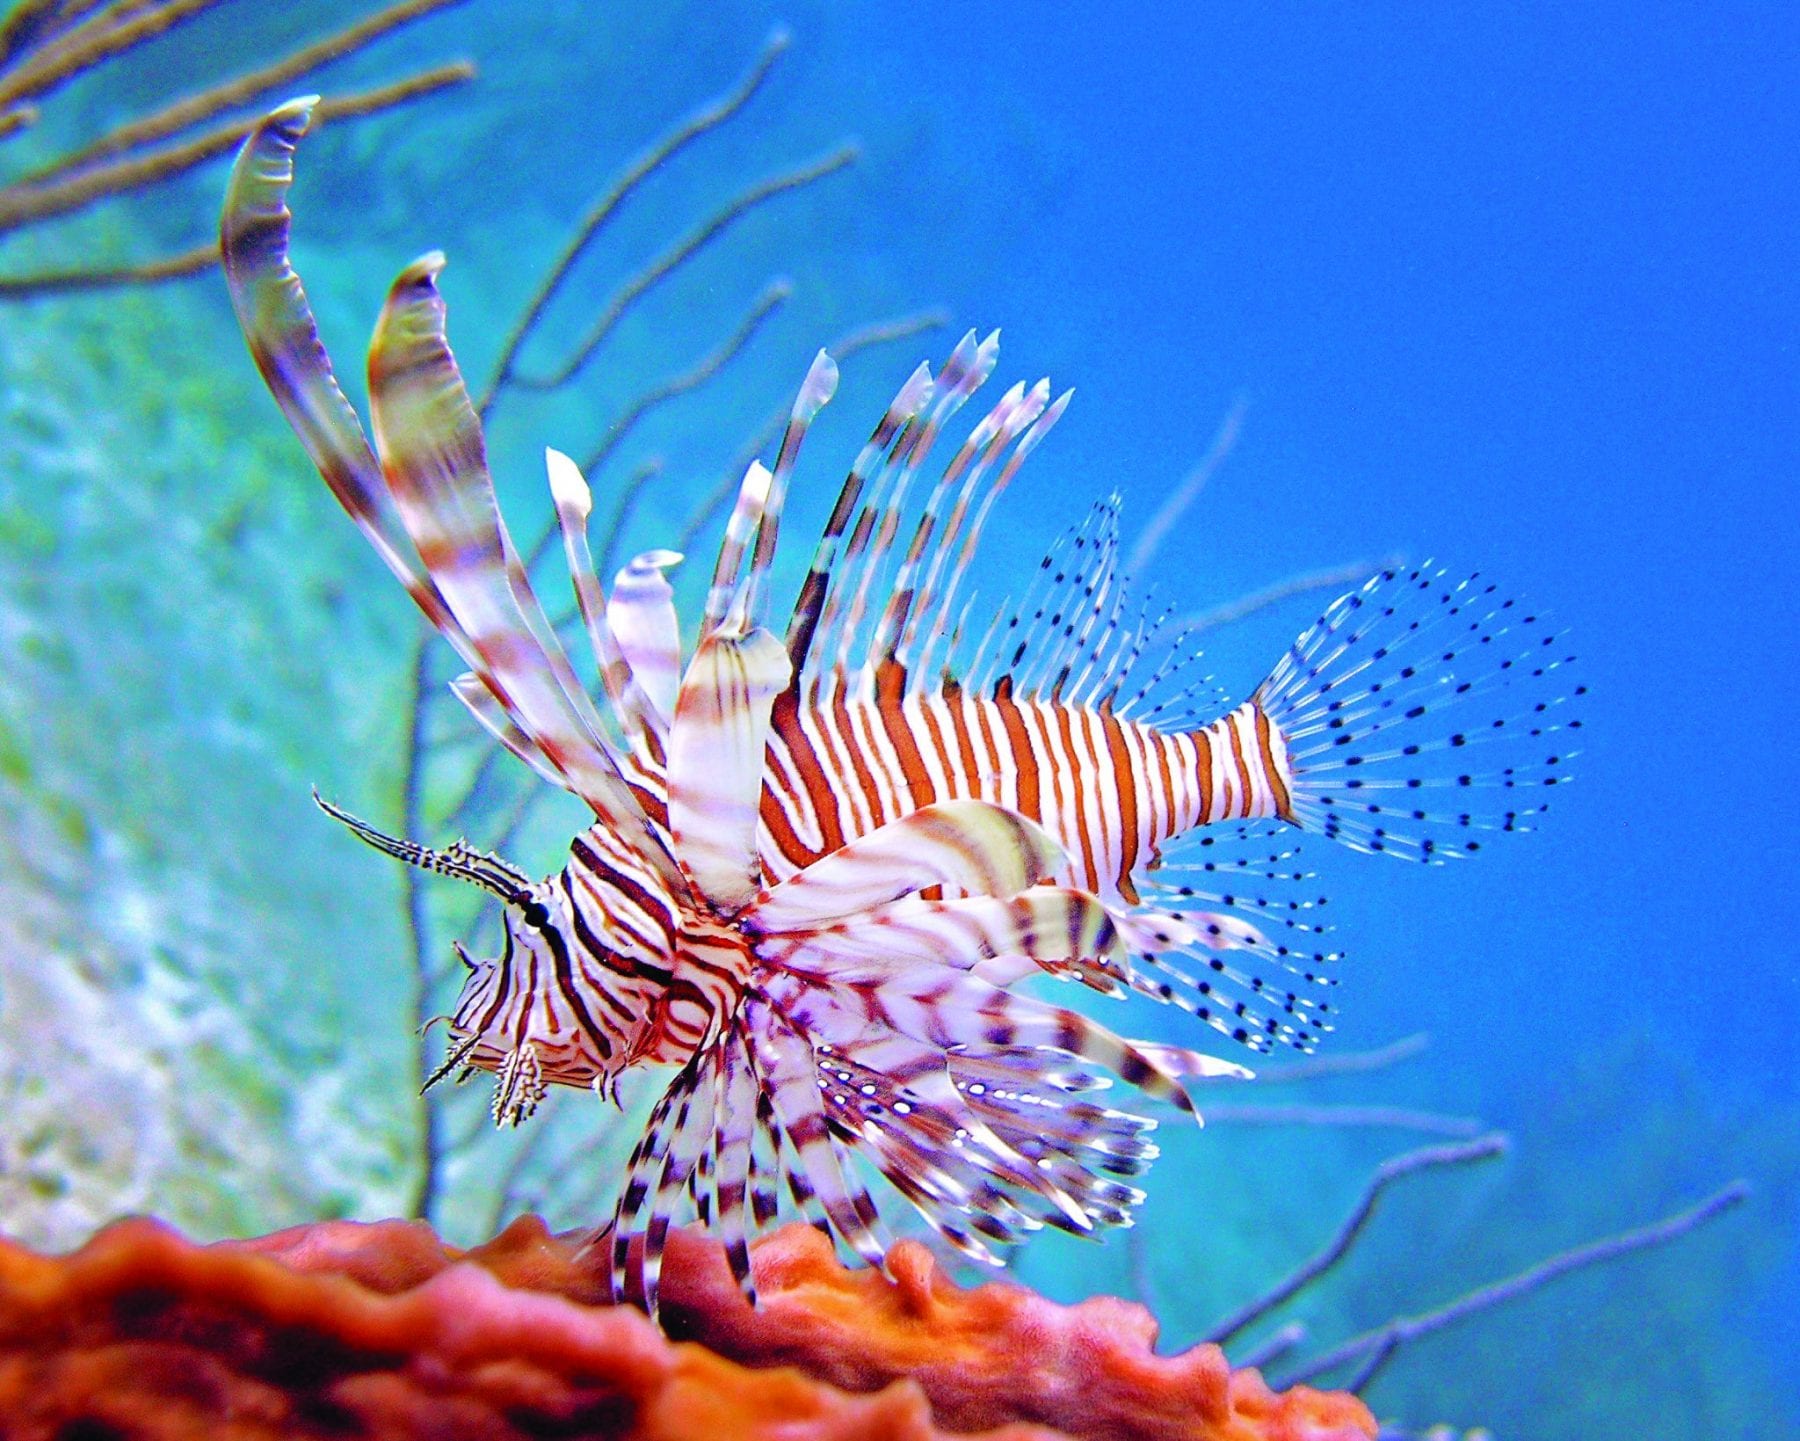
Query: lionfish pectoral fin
{"type": "Point", "coordinates": [785, 1062]}
{"type": "Point", "coordinates": [716, 761]}
{"type": "Point", "coordinates": [658, 1166]}
{"type": "Point", "coordinates": [733, 1140]}
{"type": "Point", "coordinates": [1049, 928]}
{"type": "Point", "coordinates": [973, 846]}
{"type": "Point", "coordinates": [1419, 715]}
{"type": "Point", "coordinates": [1179, 1061]}
{"type": "Point", "coordinates": [969, 1101]}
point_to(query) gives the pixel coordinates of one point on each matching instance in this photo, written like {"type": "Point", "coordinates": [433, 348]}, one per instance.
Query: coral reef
{"type": "Point", "coordinates": [47, 44]}
{"type": "Point", "coordinates": [347, 1329]}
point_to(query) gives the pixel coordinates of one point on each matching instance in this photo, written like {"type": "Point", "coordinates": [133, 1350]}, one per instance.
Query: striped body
{"type": "Point", "coordinates": [820, 862]}
{"type": "Point", "coordinates": [1112, 792]}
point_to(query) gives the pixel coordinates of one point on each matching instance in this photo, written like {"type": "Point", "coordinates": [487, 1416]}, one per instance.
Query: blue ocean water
{"type": "Point", "coordinates": [1513, 290]}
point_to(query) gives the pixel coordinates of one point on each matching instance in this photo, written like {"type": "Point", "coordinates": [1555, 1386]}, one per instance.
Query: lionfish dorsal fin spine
{"type": "Point", "coordinates": [435, 463]}
{"type": "Point", "coordinates": [717, 746]}
{"type": "Point", "coordinates": [967, 371]}
{"type": "Point", "coordinates": [278, 323]}
{"type": "Point", "coordinates": [872, 542]}
{"type": "Point", "coordinates": [809, 609]}
{"type": "Point", "coordinates": [574, 502]}
{"type": "Point", "coordinates": [283, 337]}
{"type": "Point", "coordinates": [1024, 425]}
{"type": "Point", "coordinates": [1062, 615]}
{"type": "Point", "coordinates": [850, 577]}
{"type": "Point", "coordinates": [783, 1055]}
{"type": "Point", "coordinates": [726, 593]}
{"type": "Point", "coordinates": [966, 467]}
{"type": "Point", "coordinates": [641, 615]}
{"type": "Point", "coordinates": [815, 393]}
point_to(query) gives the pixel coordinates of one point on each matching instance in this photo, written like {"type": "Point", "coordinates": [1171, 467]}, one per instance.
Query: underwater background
{"type": "Point", "coordinates": [1516, 290]}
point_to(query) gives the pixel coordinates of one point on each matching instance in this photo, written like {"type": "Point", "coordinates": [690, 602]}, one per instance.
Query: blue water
{"type": "Point", "coordinates": [1515, 290]}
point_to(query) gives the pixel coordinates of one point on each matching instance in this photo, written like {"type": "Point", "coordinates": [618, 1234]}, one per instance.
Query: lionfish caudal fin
{"type": "Point", "coordinates": [1421, 714]}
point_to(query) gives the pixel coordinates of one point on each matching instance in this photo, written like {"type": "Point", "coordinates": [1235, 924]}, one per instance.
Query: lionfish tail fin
{"type": "Point", "coordinates": [1421, 714]}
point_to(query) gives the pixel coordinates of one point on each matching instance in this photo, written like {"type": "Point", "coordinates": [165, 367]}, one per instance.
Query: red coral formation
{"type": "Point", "coordinates": [347, 1330]}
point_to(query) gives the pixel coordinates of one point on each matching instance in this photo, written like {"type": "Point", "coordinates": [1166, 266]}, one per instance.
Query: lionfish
{"type": "Point", "coordinates": [820, 861]}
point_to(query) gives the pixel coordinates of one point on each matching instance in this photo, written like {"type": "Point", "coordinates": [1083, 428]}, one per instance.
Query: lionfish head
{"type": "Point", "coordinates": [517, 1015]}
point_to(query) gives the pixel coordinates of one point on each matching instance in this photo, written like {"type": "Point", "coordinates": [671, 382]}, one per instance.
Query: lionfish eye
{"type": "Point", "coordinates": [536, 914]}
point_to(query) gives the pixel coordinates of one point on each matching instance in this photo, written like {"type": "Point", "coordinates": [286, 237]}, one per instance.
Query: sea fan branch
{"type": "Point", "coordinates": [44, 46]}
{"type": "Point", "coordinates": [708, 118]}
{"type": "Point", "coordinates": [1374, 1348]}
{"type": "Point", "coordinates": [1427, 1158]}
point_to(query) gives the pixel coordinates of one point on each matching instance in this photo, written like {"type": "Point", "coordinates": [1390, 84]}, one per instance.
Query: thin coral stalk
{"type": "Point", "coordinates": [27, 203]}
{"type": "Point", "coordinates": [1397, 1118]}
{"type": "Point", "coordinates": [1307, 583]}
{"type": "Point", "coordinates": [774, 296]}
{"type": "Point", "coordinates": [851, 342]}
{"type": "Point", "coordinates": [1349, 1063]}
{"type": "Point", "coordinates": [31, 24]}
{"type": "Point", "coordinates": [636, 484]}
{"type": "Point", "coordinates": [679, 255]}
{"type": "Point", "coordinates": [192, 110]}
{"type": "Point", "coordinates": [706, 119]}
{"type": "Point", "coordinates": [1282, 1341]}
{"type": "Point", "coordinates": [61, 282]}
{"type": "Point", "coordinates": [1181, 499]}
{"type": "Point", "coordinates": [20, 117]}
{"type": "Point", "coordinates": [45, 45]}
{"type": "Point", "coordinates": [1376, 1347]}
{"type": "Point", "coordinates": [1413, 1162]}
{"type": "Point", "coordinates": [119, 27]}
{"type": "Point", "coordinates": [418, 931]}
